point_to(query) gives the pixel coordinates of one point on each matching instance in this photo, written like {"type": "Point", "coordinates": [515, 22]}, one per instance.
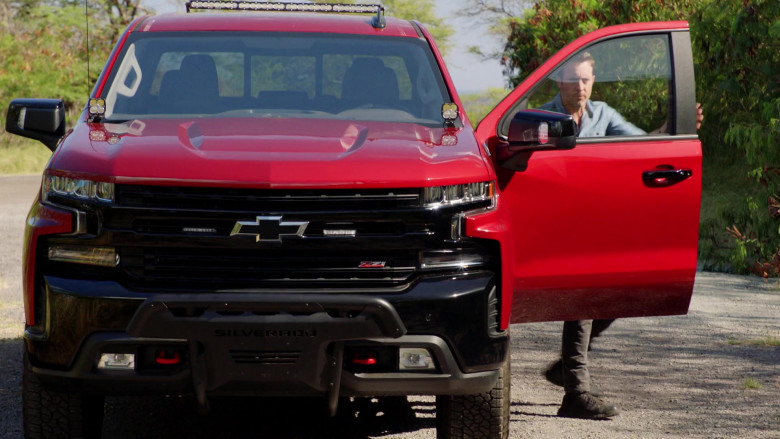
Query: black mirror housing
{"type": "Point", "coordinates": [535, 130]}
{"type": "Point", "coordinates": [39, 119]}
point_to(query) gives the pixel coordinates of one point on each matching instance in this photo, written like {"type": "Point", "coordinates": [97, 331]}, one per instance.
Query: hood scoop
{"type": "Point", "coordinates": [190, 134]}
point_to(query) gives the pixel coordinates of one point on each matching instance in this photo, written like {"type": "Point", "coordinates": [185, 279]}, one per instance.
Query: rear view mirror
{"type": "Point", "coordinates": [535, 130]}
{"type": "Point", "coordinates": [39, 119]}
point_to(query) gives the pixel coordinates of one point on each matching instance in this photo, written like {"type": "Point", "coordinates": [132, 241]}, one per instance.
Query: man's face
{"type": "Point", "coordinates": [576, 84]}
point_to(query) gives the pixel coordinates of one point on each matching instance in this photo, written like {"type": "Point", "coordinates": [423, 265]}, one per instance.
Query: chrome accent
{"type": "Point", "coordinates": [272, 226]}
{"type": "Point", "coordinates": [198, 230]}
{"type": "Point", "coordinates": [339, 232]}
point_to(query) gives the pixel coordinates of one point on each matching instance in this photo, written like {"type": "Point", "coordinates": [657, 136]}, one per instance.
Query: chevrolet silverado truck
{"type": "Point", "coordinates": [288, 200]}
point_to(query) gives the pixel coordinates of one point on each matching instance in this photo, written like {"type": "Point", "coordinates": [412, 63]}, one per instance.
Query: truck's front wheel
{"type": "Point", "coordinates": [57, 413]}
{"type": "Point", "coordinates": [485, 415]}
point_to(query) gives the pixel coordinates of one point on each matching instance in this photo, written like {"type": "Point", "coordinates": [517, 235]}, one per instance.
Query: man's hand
{"type": "Point", "coordinates": [699, 118]}
{"type": "Point", "coordinates": [699, 115]}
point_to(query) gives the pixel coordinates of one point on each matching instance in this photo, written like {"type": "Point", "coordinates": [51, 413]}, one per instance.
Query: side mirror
{"type": "Point", "coordinates": [39, 119]}
{"type": "Point", "coordinates": [535, 130]}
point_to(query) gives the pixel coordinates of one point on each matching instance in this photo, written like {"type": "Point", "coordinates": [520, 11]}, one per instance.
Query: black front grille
{"type": "Point", "coordinates": [226, 268]}
{"type": "Point", "coordinates": [268, 200]}
{"type": "Point", "coordinates": [205, 238]}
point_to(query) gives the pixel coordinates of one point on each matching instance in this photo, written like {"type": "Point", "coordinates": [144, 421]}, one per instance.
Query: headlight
{"type": "Point", "coordinates": [459, 193]}
{"type": "Point", "coordinates": [78, 189]}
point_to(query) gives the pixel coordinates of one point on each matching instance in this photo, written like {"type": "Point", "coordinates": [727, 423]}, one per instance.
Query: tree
{"type": "Point", "coordinates": [113, 15]}
{"type": "Point", "coordinates": [738, 49]}
{"type": "Point", "coordinates": [420, 10]}
{"type": "Point", "coordinates": [44, 46]}
{"type": "Point", "coordinates": [549, 25]}
{"type": "Point", "coordinates": [44, 54]}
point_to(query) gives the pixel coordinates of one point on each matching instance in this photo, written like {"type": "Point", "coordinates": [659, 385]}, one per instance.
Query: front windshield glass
{"type": "Point", "coordinates": [231, 74]}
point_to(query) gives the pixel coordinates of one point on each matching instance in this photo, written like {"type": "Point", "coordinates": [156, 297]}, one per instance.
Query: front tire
{"type": "Point", "coordinates": [484, 415]}
{"type": "Point", "coordinates": [57, 413]}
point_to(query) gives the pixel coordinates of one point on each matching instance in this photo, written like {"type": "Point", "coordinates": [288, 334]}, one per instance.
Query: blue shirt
{"type": "Point", "coordinates": [598, 119]}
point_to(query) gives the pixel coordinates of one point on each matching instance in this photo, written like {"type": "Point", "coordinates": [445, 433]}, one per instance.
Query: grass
{"type": "Point", "coordinates": [10, 328]}
{"type": "Point", "coordinates": [769, 341]}
{"type": "Point", "coordinates": [750, 384]}
{"type": "Point", "coordinates": [21, 156]}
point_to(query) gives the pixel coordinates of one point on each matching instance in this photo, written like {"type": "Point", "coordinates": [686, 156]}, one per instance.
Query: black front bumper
{"type": "Point", "coordinates": [266, 344]}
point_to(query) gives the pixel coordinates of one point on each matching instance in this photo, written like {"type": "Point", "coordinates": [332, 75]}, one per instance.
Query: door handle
{"type": "Point", "coordinates": [664, 176]}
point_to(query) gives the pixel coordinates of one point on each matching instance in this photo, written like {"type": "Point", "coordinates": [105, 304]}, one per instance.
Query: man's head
{"type": "Point", "coordinates": [575, 82]}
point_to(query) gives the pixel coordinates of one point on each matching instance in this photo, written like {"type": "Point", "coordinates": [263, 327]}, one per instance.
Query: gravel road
{"type": "Point", "coordinates": [714, 373]}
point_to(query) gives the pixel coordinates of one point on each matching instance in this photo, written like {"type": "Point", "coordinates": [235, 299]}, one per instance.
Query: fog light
{"type": "Point", "coordinates": [415, 359]}
{"type": "Point", "coordinates": [101, 256]}
{"type": "Point", "coordinates": [117, 361]}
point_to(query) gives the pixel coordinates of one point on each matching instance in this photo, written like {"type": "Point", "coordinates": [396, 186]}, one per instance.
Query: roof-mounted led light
{"type": "Point", "coordinates": [378, 21]}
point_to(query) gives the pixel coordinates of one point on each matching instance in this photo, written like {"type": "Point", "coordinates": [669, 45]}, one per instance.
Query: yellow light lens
{"type": "Point", "coordinates": [449, 111]}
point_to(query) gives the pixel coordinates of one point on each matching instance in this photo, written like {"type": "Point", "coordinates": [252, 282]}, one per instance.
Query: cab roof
{"type": "Point", "coordinates": [302, 22]}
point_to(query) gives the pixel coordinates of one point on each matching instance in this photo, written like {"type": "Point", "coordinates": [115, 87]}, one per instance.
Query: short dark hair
{"type": "Point", "coordinates": [577, 59]}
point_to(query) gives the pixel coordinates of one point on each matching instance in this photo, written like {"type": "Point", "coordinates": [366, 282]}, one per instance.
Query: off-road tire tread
{"type": "Point", "coordinates": [50, 413]}
{"type": "Point", "coordinates": [480, 416]}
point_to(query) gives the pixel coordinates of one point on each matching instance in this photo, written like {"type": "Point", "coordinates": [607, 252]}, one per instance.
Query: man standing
{"type": "Point", "coordinates": [593, 119]}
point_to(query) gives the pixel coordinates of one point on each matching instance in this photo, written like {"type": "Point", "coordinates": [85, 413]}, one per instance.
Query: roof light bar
{"type": "Point", "coordinates": [378, 21]}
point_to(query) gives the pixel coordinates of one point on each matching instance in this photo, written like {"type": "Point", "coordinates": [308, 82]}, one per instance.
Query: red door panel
{"type": "Point", "coordinates": [610, 228]}
{"type": "Point", "coordinates": [592, 240]}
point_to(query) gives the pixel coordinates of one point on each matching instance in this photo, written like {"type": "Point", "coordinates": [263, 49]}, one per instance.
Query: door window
{"type": "Point", "coordinates": [618, 87]}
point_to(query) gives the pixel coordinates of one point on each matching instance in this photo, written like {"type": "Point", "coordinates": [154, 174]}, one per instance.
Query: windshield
{"type": "Point", "coordinates": [231, 74]}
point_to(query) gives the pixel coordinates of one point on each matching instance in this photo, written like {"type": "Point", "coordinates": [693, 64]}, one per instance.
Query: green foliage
{"type": "Point", "coordinates": [478, 105]}
{"type": "Point", "coordinates": [44, 47]}
{"type": "Point", "coordinates": [22, 156]}
{"type": "Point", "coordinates": [767, 342]}
{"type": "Point", "coordinates": [751, 384]}
{"type": "Point", "coordinates": [552, 24]}
{"type": "Point", "coordinates": [45, 55]}
{"type": "Point", "coordinates": [737, 49]}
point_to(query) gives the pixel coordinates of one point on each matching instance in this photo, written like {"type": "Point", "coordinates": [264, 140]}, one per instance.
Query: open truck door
{"type": "Point", "coordinates": [604, 226]}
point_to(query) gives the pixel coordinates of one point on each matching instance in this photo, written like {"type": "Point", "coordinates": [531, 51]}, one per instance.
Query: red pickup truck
{"type": "Point", "coordinates": [280, 201]}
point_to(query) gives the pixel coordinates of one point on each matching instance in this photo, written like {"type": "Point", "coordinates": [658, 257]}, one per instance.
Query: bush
{"type": "Point", "coordinates": [739, 83]}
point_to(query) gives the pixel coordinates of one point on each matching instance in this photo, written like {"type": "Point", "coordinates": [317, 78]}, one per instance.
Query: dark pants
{"type": "Point", "coordinates": [575, 343]}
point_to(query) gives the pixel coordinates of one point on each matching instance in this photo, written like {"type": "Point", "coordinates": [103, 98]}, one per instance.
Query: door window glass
{"type": "Point", "coordinates": [619, 87]}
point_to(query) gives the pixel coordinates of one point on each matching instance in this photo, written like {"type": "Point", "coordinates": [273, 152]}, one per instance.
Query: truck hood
{"type": "Point", "coordinates": [273, 153]}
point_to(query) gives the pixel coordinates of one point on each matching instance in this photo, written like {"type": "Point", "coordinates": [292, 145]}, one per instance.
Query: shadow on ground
{"type": "Point", "coordinates": [10, 388]}
{"type": "Point", "coordinates": [176, 417]}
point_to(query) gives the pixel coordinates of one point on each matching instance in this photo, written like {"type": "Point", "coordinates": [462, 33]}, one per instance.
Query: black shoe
{"type": "Point", "coordinates": [585, 406]}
